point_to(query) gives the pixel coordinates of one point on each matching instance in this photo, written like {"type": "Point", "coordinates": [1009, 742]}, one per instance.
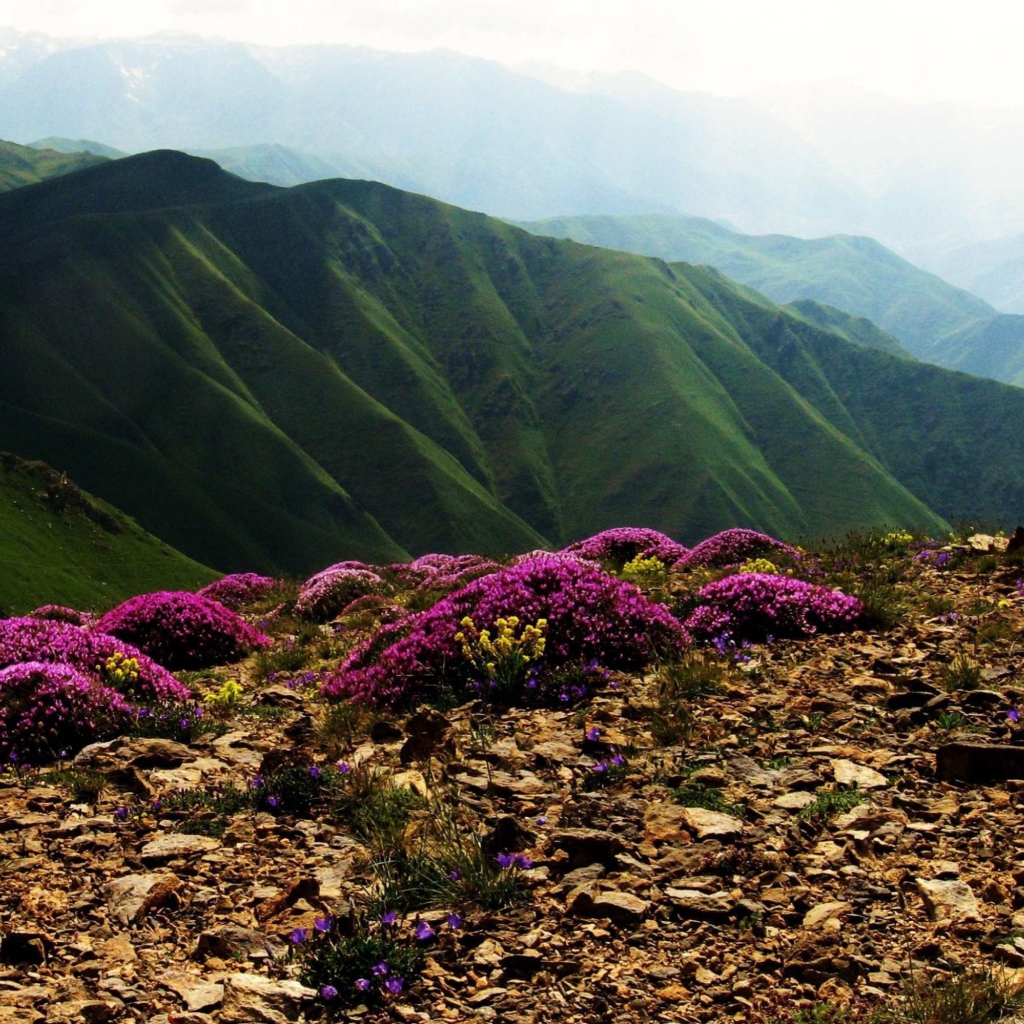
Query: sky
{"type": "Point", "coordinates": [918, 50]}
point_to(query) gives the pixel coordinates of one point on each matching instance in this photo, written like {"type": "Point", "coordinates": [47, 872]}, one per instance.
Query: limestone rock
{"type": "Point", "coordinates": [253, 999]}
{"type": "Point", "coordinates": [132, 896]}
{"type": "Point", "coordinates": [849, 773]}
{"type": "Point", "coordinates": [950, 900]}
{"type": "Point", "coordinates": [711, 824]}
{"type": "Point", "coordinates": [176, 845]}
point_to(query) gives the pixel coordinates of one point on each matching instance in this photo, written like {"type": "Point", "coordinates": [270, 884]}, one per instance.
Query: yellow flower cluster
{"type": "Point", "coordinates": [897, 539]}
{"type": "Point", "coordinates": [488, 650]}
{"type": "Point", "coordinates": [119, 670]}
{"type": "Point", "coordinates": [227, 696]}
{"type": "Point", "coordinates": [761, 565]}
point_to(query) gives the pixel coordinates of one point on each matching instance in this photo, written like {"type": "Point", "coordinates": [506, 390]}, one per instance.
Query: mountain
{"type": "Point", "coordinates": [25, 165]}
{"type": "Point", "coordinates": [993, 269]}
{"type": "Point", "coordinates": [60, 145]}
{"type": "Point", "coordinates": [279, 378]}
{"type": "Point", "coordinates": [464, 130]}
{"type": "Point", "coordinates": [991, 348]}
{"type": "Point", "coordinates": [61, 545]}
{"type": "Point", "coordinates": [858, 275]}
{"type": "Point", "coordinates": [856, 329]}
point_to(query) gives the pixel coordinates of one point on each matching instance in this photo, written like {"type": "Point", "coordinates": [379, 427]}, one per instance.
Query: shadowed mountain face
{"type": "Point", "coordinates": [276, 377]}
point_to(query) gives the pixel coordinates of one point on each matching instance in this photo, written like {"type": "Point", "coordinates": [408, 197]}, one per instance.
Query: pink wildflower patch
{"type": "Point", "coordinates": [25, 639]}
{"type": "Point", "coordinates": [239, 588]}
{"type": "Point", "coordinates": [181, 630]}
{"type": "Point", "coordinates": [324, 595]}
{"type": "Point", "coordinates": [733, 546]}
{"type": "Point", "coordinates": [590, 615]}
{"type": "Point", "coordinates": [624, 543]}
{"type": "Point", "coordinates": [756, 606]}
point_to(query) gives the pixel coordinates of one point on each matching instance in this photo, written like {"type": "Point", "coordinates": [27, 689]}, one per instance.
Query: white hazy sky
{"type": "Point", "coordinates": [914, 49]}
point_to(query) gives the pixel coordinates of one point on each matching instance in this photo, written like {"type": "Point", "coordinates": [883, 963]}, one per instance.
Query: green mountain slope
{"type": "Point", "coordinates": [856, 329]}
{"type": "Point", "coordinates": [60, 545]}
{"type": "Point", "coordinates": [858, 275]}
{"type": "Point", "coordinates": [25, 165]}
{"type": "Point", "coordinates": [281, 377]}
{"type": "Point", "coordinates": [992, 348]}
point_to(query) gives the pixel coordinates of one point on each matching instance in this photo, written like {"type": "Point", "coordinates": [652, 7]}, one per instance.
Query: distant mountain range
{"type": "Point", "coordinates": [277, 378]}
{"type": "Point", "coordinates": [935, 321]}
{"type": "Point", "coordinates": [463, 130]}
{"type": "Point", "coordinates": [24, 165]}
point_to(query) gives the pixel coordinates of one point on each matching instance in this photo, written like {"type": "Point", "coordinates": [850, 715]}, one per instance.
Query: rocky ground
{"type": "Point", "coordinates": [821, 860]}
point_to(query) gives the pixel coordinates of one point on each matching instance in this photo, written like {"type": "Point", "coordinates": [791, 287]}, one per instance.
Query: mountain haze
{"type": "Point", "coordinates": [25, 165]}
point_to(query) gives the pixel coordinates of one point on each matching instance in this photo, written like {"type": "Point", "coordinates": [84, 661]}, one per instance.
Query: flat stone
{"type": "Point", "coordinates": [196, 993]}
{"type": "Point", "coordinates": [950, 900]}
{"type": "Point", "coordinates": [230, 941]}
{"type": "Point", "coordinates": [823, 912]}
{"type": "Point", "coordinates": [849, 773]}
{"type": "Point", "coordinates": [132, 896]}
{"type": "Point", "coordinates": [693, 903]}
{"type": "Point", "coordinates": [979, 762]}
{"type": "Point", "coordinates": [588, 845]}
{"type": "Point", "coordinates": [620, 907]}
{"type": "Point", "coordinates": [711, 824]}
{"type": "Point", "coordinates": [253, 999]}
{"type": "Point", "coordinates": [663, 823]}
{"type": "Point", "coordinates": [172, 847]}
{"type": "Point", "coordinates": [795, 801]}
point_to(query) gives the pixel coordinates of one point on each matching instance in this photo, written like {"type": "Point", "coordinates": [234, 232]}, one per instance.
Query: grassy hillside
{"type": "Point", "coordinates": [62, 145]}
{"type": "Point", "coordinates": [858, 275]}
{"type": "Point", "coordinates": [60, 545]}
{"type": "Point", "coordinates": [281, 377]}
{"type": "Point", "coordinates": [25, 165]}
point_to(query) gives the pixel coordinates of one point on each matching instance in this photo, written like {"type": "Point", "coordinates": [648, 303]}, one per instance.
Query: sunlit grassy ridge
{"type": "Point", "coordinates": [24, 165]}
{"type": "Point", "coordinates": [276, 378]}
{"type": "Point", "coordinates": [60, 545]}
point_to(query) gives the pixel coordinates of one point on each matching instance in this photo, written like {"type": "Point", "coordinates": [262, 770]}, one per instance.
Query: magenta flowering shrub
{"type": "Point", "coordinates": [324, 595]}
{"type": "Point", "coordinates": [49, 710]}
{"type": "Point", "coordinates": [442, 572]}
{"type": "Point", "coordinates": [25, 639]}
{"type": "Point", "coordinates": [733, 546]}
{"type": "Point", "coordinates": [61, 613]}
{"type": "Point", "coordinates": [181, 630]}
{"type": "Point", "coordinates": [624, 543]}
{"type": "Point", "coordinates": [239, 588]}
{"type": "Point", "coordinates": [591, 617]}
{"type": "Point", "coordinates": [758, 606]}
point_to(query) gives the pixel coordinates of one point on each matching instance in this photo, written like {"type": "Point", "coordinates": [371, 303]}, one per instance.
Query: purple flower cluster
{"type": "Point", "coordinates": [590, 616]}
{"type": "Point", "coordinates": [624, 543]}
{"type": "Point", "coordinates": [239, 588]}
{"type": "Point", "coordinates": [60, 613]}
{"type": "Point", "coordinates": [25, 639]}
{"type": "Point", "coordinates": [181, 630]}
{"type": "Point", "coordinates": [755, 606]}
{"type": "Point", "coordinates": [733, 546]}
{"type": "Point", "coordinates": [442, 572]}
{"type": "Point", "coordinates": [47, 707]}
{"type": "Point", "coordinates": [324, 595]}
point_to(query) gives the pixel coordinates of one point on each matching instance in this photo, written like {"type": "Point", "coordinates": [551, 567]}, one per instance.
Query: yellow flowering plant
{"type": "Point", "coordinates": [226, 698]}
{"type": "Point", "coordinates": [119, 672]}
{"type": "Point", "coordinates": [505, 656]}
{"type": "Point", "coordinates": [644, 572]}
{"type": "Point", "coordinates": [761, 565]}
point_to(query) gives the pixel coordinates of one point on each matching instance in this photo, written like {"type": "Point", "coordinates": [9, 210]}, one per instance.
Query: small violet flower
{"type": "Point", "coordinates": [381, 969]}
{"type": "Point", "coordinates": [593, 734]}
{"type": "Point", "coordinates": [314, 771]}
{"type": "Point", "coordinates": [423, 931]}
{"type": "Point", "coordinates": [389, 918]}
{"type": "Point", "coordinates": [362, 984]}
{"type": "Point", "coordinates": [298, 937]}
{"type": "Point", "coordinates": [121, 813]}
{"type": "Point", "coordinates": [454, 922]}
{"type": "Point", "coordinates": [329, 992]}
{"type": "Point", "coordinates": [322, 924]}
{"type": "Point", "coordinates": [394, 985]}
{"type": "Point", "coordinates": [1013, 715]}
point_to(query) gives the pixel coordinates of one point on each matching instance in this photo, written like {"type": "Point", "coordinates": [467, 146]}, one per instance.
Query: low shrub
{"type": "Point", "coordinates": [51, 710]}
{"type": "Point", "coordinates": [239, 588]}
{"type": "Point", "coordinates": [324, 595]}
{"type": "Point", "coordinates": [731, 547]}
{"type": "Point", "coordinates": [92, 652]}
{"type": "Point", "coordinates": [757, 607]}
{"type": "Point", "coordinates": [590, 617]}
{"type": "Point", "coordinates": [624, 543]}
{"type": "Point", "coordinates": [60, 613]}
{"type": "Point", "coordinates": [181, 630]}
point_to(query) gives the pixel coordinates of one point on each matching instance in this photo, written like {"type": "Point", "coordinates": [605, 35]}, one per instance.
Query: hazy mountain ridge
{"type": "Point", "coordinates": [934, 320]}
{"type": "Point", "coordinates": [26, 165]}
{"type": "Point", "coordinates": [465, 130]}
